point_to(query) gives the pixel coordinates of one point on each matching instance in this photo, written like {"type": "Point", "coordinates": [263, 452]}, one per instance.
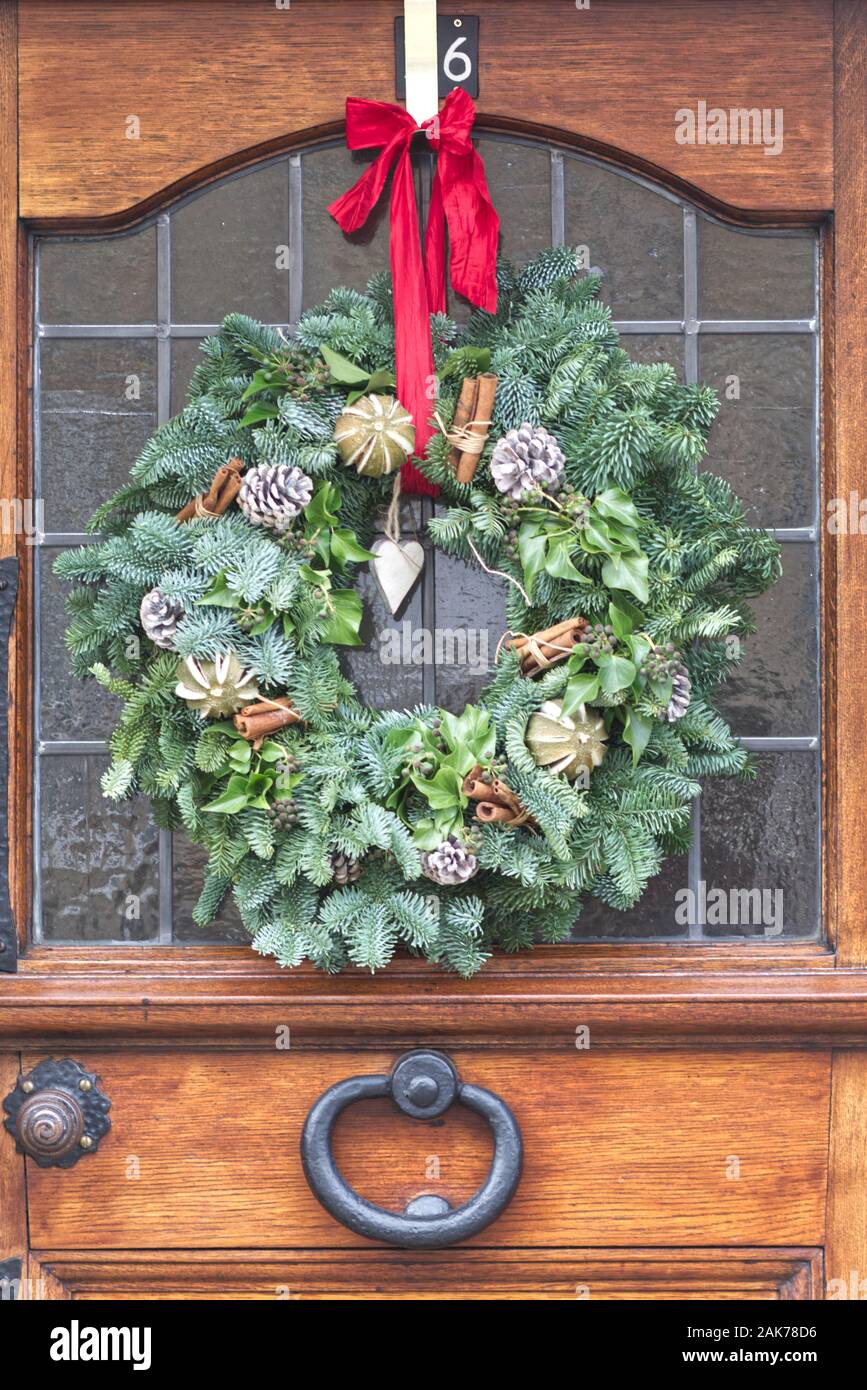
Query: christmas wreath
{"type": "Point", "coordinates": [219, 591]}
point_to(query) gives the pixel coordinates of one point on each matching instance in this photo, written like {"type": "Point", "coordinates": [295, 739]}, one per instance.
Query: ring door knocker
{"type": "Point", "coordinates": [423, 1085]}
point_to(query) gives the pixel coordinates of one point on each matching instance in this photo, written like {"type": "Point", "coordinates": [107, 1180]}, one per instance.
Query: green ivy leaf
{"type": "Point", "coordinates": [219, 595]}
{"type": "Point", "coordinates": [579, 689]}
{"type": "Point", "coordinates": [472, 730]}
{"type": "Point", "coordinates": [622, 537]}
{"type": "Point", "coordinates": [271, 752]}
{"type": "Point", "coordinates": [442, 791]}
{"type": "Point", "coordinates": [345, 547]}
{"type": "Point", "coordinates": [426, 834]}
{"type": "Point", "coordinates": [636, 733]}
{"type": "Point", "coordinates": [344, 620]}
{"type": "Point", "coordinates": [616, 673]}
{"type": "Point", "coordinates": [347, 373]}
{"type": "Point", "coordinates": [595, 538]}
{"type": "Point", "coordinates": [260, 381]}
{"type": "Point", "coordinates": [558, 562]}
{"type": "Point", "coordinates": [257, 413]}
{"type": "Point", "coordinates": [233, 799]}
{"type": "Point", "coordinates": [623, 616]}
{"type": "Point", "coordinates": [627, 572]}
{"type": "Point", "coordinates": [323, 509]}
{"type": "Point", "coordinates": [342, 369]}
{"type": "Point", "coordinates": [532, 548]}
{"type": "Point", "coordinates": [617, 505]}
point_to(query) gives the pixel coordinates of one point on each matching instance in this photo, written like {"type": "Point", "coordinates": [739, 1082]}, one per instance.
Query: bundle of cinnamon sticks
{"type": "Point", "coordinates": [495, 802]}
{"type": "Point", "coordinates": [221, 494]}
{"type": "Point", "coordinates": [255, 722]}
{"type": "Point", "coordinates": [471, 424]}
{"type": "Point", "coordinates": [543, 649]}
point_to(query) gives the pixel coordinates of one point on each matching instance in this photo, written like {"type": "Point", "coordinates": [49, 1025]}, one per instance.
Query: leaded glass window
{"type": "Point", "coordinates": [118, 323]}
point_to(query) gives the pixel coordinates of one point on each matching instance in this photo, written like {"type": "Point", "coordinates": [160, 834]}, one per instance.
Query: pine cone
{"type": "Point", "coordinates": [662, 663]}
{"type": "Point", "coordinates": [160, 617]}
{"type": "Point", "coordinates": [272, 495]}
{"type": "Point", "coordinates": [450, 863]}
{"type": "Point", "coordinates": [344, 868]}
{"type": "Point", "coordinates": [284, 813]}
{"type": "Point", "coordinates": [525, 460]}
{"type": "Point", "coordinates": [681, 694]}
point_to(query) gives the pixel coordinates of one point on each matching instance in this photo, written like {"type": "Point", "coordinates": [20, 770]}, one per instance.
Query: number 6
{"type": "Point", "coordinates": [454, 59]}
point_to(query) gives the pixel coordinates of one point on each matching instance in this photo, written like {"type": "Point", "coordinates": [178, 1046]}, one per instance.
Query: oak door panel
{"type": "Point", "coordinates": [469, 1276]}
{"type": "Point", "coordinates": [207, 82]}
{"type": "Point", "coordinates": [714, 1148]}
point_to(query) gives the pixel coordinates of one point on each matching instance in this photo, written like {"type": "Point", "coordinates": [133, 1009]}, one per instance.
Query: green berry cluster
{"type": "Point", "coordinates": [575, 505]}
{"type": "Point", "coordinates": [287, 765]}
{"type": "Point", "coordinates": [299, 544]}
{"type": "Point", "coordinates": [284, 813]}
{"type": "Point", "coordinates": [598, 640]}
{"type": "Point", "coordinates": [303, 373]}
{"type": "Point", "coordinates": [662, 662]}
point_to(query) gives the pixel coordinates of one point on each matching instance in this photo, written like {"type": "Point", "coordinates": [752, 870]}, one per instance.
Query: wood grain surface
{"type": "Point", "coordinates": [13, 1198]}
{"type": "Point", "coordinates": [8, 269]}
{"type": "Point", "coordinates": [80, 998]}
{"type": "Point", "coordinates": [468, 1275]}
{"type": "Point", "coordinates": [849, 850]}
{"type": "Point", "coordinates": [847, 1179]}
{"type": "Point", "coordinates": [208, 81]}
{"type": "Point", "coordinates": [620, 1149]}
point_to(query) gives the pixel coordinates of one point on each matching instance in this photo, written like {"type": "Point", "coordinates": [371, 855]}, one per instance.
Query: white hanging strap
{"type": "Point", "coordinates": [422, 82]}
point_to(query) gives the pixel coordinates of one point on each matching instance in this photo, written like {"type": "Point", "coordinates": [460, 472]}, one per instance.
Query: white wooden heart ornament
{"type": "Point", "coordinates": [396, 569]}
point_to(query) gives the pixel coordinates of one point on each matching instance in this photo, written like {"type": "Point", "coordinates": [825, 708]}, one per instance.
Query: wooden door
{"type": "Point", "coordinates": [692, 1099]}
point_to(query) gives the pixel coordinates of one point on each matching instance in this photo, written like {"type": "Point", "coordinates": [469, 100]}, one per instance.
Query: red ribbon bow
{"type": "Point", "coordinates": [459, 196]}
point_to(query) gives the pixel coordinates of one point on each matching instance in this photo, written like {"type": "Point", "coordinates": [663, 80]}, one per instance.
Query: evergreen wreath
{"type": "Point", "coordinates": [345, 831]}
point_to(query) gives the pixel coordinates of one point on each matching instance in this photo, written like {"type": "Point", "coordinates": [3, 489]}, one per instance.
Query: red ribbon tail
{"type": "Point", "coordinates": [459, 199]}
{"type": "Point", "coordinates": [416, 383]}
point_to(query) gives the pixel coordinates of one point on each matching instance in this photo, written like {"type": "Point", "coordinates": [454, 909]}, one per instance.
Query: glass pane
{"type": "Point", "coordinates": [230, 250]}
{"type": "Point", "coordinates": [388, 670]}
{"type": "Point", "coordinates": [655, 347]}
{"type": "Point", "coordinates": [749, 275]}
{"type": "Point", "coordinates": [99, 858]}
{"type": "Point", "coordinates": [774, 692]}
{"type": "Point", "coordinates": [330, 258]}
{"type": "Point", "coordinates": [470, 611]}
{"type": "Point", "coordinates": [634, 236]}
{"type": "Point", "coordinates": [653, 917]}
{"type": "Point", "coordinates": [763, 439]}
{"type": "Point", "coordinates": [186, 356]}
{"type": "Point", "coordinates": [763, 835]}
{"type": "Point", "coordinates": [188, 871]}
{"type": "Point", "coordinates": [97, 409]}
{"type": "Point", "coordinates": [519, 182]}
{"type": "Point", "coordinates": [69, 709]}
{"type": "Point", "coordinates": [99, 280]}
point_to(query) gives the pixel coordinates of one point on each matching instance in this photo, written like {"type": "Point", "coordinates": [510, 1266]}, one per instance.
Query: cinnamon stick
{"type": "Point", "coordinates": [465, 410]}
{"type": "Point", "coordinates": [546, 648]}
{"type": "Point", "coordinates": [490, 813]}
{"type": "Point", "coordinates": [225, 486]}
{"type": "Point", "coordinates": [265, 717]}
{"type": "Point", "coordinates": [496, 801]}
{"type": "Point", "coordinates": [479, 427]}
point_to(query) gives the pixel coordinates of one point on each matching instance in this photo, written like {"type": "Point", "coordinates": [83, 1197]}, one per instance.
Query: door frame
{"type": "Point", "coordinates": [810, 995]}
